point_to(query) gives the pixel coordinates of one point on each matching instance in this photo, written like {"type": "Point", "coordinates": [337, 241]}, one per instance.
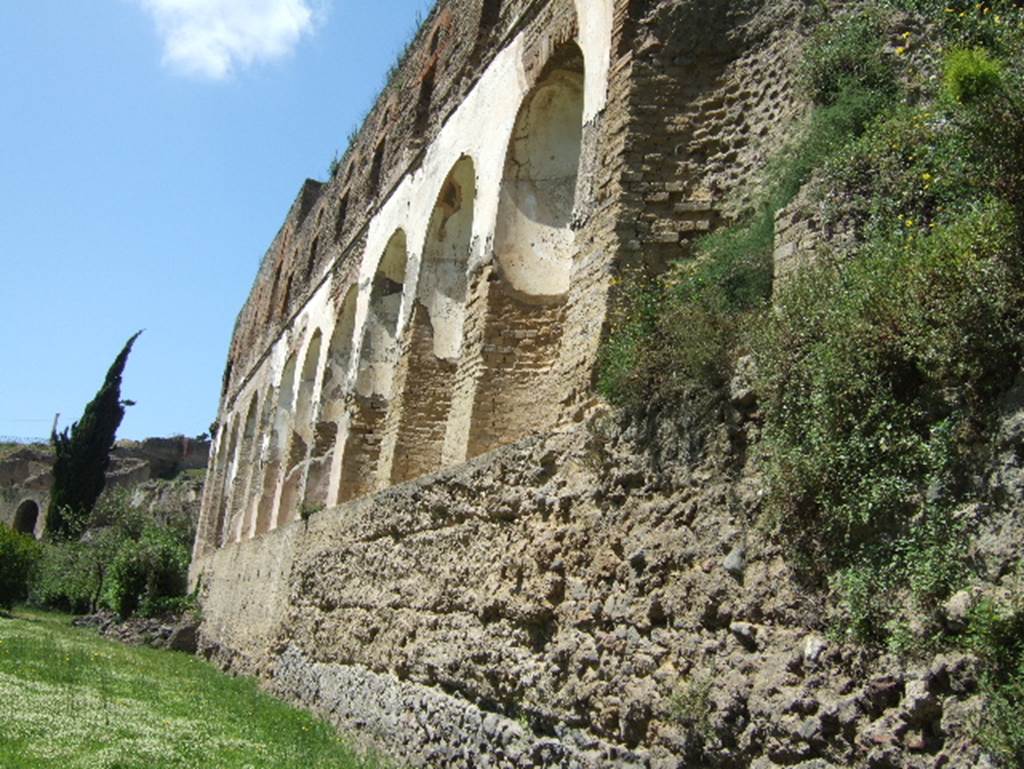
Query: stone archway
{"type": "Point", "coordinates": [26, 517]}
{"type": "Point", "coordinates": [518, 390]}
{"type": "Point", "coordinates": [436, 328]}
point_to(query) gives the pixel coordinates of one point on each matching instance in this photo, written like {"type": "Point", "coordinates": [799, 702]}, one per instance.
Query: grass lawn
{"type": "Point", "coordinates": [71, 699]}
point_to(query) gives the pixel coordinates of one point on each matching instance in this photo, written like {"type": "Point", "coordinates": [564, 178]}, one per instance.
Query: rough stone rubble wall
{"type": "Point", "coordinates": [547, 605]}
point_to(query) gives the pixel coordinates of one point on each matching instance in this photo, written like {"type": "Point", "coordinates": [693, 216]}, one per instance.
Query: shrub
{"type": "Point", "coordinates": [996, 635]}
{"type": "Point", "coordinates": [850, 52]}
{"type": "Point", "coordinates": [19, 558]}
{"type": "Point", "coordinates": [878, 378]}
{"type": "Point", "coordinates": [145, 573]}
{"type": "Point", "coordinates": [672, 338]}
{"type": "Point", "coordinates": [873, 373]}
{"type": "Point", "coordinates": [69, 578]}
{"type": "Point", "coordinates": [971, 75]}
{"type": "Point", "coordinates": [692, 707]}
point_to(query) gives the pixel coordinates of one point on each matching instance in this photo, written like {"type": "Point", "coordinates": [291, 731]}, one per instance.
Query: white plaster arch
{"type": "Point", "coordinates": [378, 348]}
{"type": "Point", "coordinates": [595, 19]}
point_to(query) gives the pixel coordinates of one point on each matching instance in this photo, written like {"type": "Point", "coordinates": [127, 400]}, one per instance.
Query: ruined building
{"type": "Point", "coordinates": [443, 294]}
{"type": "Point", "coordinates": [407, 525]}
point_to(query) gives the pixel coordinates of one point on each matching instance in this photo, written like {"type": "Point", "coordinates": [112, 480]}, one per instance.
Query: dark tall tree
{"type": "Point", "coordinates": [82, 458]}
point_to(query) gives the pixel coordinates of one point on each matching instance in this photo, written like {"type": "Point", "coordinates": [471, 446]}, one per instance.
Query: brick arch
{"type": "Point", "coordinates": [302, 430]}
{"type": "Point", "coordinates": [225, 476]}
{"type": "Point", "coordinates": [279, 426]}
{"type": "Point", "coordinates": [435, 332]}
{"type": "Point", "coordinates": [377, 358]}
{"type": "Point", "coordinates": [241, 501]}
{"type": "Point", "coordinates": [534, 244]}
{"type": "Point", "coordinates": [331, 416]}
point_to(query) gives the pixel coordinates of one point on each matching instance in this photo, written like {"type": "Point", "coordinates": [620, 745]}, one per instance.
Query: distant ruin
{"type": "Point", "coordinates": [26, 474]}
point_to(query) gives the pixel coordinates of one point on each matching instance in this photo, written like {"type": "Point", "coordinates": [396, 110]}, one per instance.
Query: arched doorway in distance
{"type": "Point", "coordinates": [26, 517]}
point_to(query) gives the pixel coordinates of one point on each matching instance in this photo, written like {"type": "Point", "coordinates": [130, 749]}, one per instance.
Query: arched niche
{"type": "Point", "coordinates": [228, 469]}
{"type": "Point", "coordinates": [261, 457]}
{"type": "Point", "coordinates": [533, 240]}
{"type": "Point", "coordinates": [518, 390]}
{"type": "Point", "coordinates": [339, 359]}
{"type": "Point", "coordinates": [378, 355]}
{"type": "Point", "coordinates": [380, 348]}
{"type": "Point", "coordinates": [436, 328]}
{"type": "Point", "coordinates": [26, 517]}
{"type": "Point", "coordinates": [302, 433]}
{"type": "Point", "coordinates": [280, 424]}
{"type": "Point", "coordinates": [333, 396]}
{"type": "Point", "coordinates": [240, 498]}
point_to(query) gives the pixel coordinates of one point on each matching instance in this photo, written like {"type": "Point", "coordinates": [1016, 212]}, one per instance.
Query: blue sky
{"type": "Point", "coordinates": [149, 150]}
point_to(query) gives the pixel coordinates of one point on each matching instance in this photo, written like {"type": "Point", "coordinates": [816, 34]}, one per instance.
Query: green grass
{"type": "Point", "coordinates": [71, 699]}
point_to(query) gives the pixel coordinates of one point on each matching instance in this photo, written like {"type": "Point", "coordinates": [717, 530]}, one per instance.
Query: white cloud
{"type": "Point", "coordinates": [214, 38]}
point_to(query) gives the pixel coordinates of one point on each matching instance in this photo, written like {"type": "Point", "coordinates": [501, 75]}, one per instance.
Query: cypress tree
{"type": "Point", "coordinates": [83, 456]}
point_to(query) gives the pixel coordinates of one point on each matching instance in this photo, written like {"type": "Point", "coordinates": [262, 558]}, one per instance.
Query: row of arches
{"type": "Point", "coordinates": [473, 366]}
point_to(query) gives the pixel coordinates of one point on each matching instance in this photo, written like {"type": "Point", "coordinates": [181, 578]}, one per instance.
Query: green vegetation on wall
{"type": "Point", "coordinates": [880, 366]}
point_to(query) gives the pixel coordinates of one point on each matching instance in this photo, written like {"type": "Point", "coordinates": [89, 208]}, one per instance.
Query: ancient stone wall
{"type": "Point", "coordinates": [402, 525]}
{"type": "Point", "coordinates": [585, 599]}
{"type": "Point", "coordinates": [442, 295]}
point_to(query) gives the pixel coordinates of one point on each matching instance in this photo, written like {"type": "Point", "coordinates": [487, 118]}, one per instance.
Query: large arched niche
{"type": "Point", "coordinates": [26, 517]}
{"type": "Point", "coordinates": [518, 391]}
{"type": "Point", "coordinates": [301, 434]}
{"type": "Point", "coordinates": [533, 239]}
{"type": "Point", "coordinates": [380, 349]}
{"type": "Point", "coordinates": [331, 414]}
{"type": "Point", "coordinates": [377, 358]}
{"type": "Point", "coordinates": [261, 444]}
{"type": "Point", "coordinates": [240, 500]}
{"type": "Point", "coordinates": [436, 328]}
{"type": "Point", "coordinates": [280, 424]}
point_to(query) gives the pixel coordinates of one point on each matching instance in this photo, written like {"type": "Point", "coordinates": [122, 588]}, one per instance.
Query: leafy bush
{"type": "Point", "coordinates": [877, 377]}
{"type": "Point", "coordinates": [146, 573]}
{"type": "Point", "coordinates": [19, 558]}
{"type": "Point", "coordinates": [68, 578]}
{"type": "Point", "coordinates": [971, 75]}
{"type": "Point", "coordinates": [996, 635]}
{"type": "Point", "coordinates": [75, 576]}
{"type": "Point", "coordinates": [850, 52]}
{"type": "Point", "coordinates": [71, 575]}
